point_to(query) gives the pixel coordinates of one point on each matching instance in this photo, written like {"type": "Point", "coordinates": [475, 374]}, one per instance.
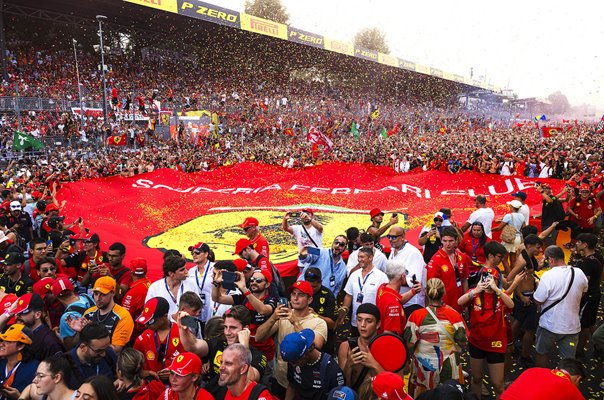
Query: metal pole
{"type": "Point", "coordinates": [2, 43]}
{"type": "Point", "coordinates": [75, 55]}
{"type": "Point", "coordinates": [100, 18]}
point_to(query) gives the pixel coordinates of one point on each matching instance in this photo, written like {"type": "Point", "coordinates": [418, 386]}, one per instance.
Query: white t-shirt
{"type": "Point", "coordinates": [367, 286]}
{"type": "Point", "coordinates": [379, 260]}
{"type": "Point", "coordinates": [304, 240]}
{"type": "Point", "coordinates": [563, 318]}
{"type": "Point", "coordinates": [485, 216]}
{"type": "Point", "coordinates": [526, 211]}
{"type": "Point", "coordinates": [160, 289]}
{"type": "Point", "coordinates": [203, 284]}
{"type": "Point", "coordinates": [414, 262]}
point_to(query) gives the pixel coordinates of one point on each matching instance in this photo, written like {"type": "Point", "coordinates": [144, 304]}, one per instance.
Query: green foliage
{"type": "Point", "coordinates": [268, 9]}
{"type": "Point", "coordinates": [372, 39]}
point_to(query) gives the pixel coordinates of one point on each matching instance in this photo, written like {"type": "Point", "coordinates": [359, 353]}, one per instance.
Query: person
{"type": "Point", "coordinates": [173, 285]}
{"type": "Point", "coordinates": [559, 293]}
{"type": "Point", "coordinates": [429, 236]}
{"type": "Point", "coordinates": [328, 261]}
{"type": "Point", "coordinates": [130, 365]}
{"type": "Point", "coordinates": [488, 326]}
{"type": "Point", "coordinates": [246, 251]}
{"type": "Point", "coordinates": [323, 301]}
{"type": "Point", "coordinates": [311, 374]}
{"type": "Point", "coordinates": [114, 317]}
{"type": "Point", "coordinates": [17, 364]}
{"type": "Point", "coordinates": [117, 270]}
{"type": "Point", "coordinates": [160, 342]}
{"type": "Point", "coordinates": [524, 208]}
{"type": "Point", "coordinates": [134, 298]}
{"type": "Point", "coordinates": [51, 380]}
{"type": "Point", "coordinates": [257, 299]}
{"type": "Point", "coordinates": [473, 246]}
{"type": "Point", "coordinates": [83, 264]}
{"type": "Point", "coordinates": [286, 320]}
{"type": "Point", "coordinates": [389, 300]}
{"type": "Point", "coordinates": [93, 355]}
{"type": "Point", "coordinates": [201, 275]}
{"type": "Point", "coordinates": [37, 251]}
{"type": "Point", "coordinates": [584, 210]}
{"type": "Point", "coordinates": [483, 214]}
{"type": "Point", "coordinates": [354, 356]}
{"type": "Point", "coordinates": [435, 335]}
{"type": "Point", "coordinates": [235, 330]}
{"type": "Point", "coordinates": [362, 287]}
{"type": "Point", "coordinates": [236, 362]}
{"type": "Point", "coordinates": [451, 266]}
{"type": "Point", "coordinates": [389, 386]}
{"type": "Point", "coordinates": [516, 220]}
{"type": "Point", "coordinates": [13, 280]}
{"type": "Point", "coordinates": [413, 260]}
{"type": "Point", "coordinates": [184, 375]}
{"type": "Point", "coordinates": [257, 240]}
{"type": "Point", "coordinates": [96, 388]}
{"type": "Point", "coordinates": [376, 228]}
{"type": "Point", "coordinates": [590, 302]}
{"type": "Point", "coordinates": [379, 259]}
{"type": "Point", "coordinates": [552, 210]}
{"type": "Point", "coordinates": [308, 233]}
{"type": "Point", "coordinates": [75, 306]}
{"type": "Point", "coordinates": [20, 221]}
{"type": "Point", "coordinates": [46, 267]}
{"type": "Point", "coordinates": [29, 312]}
{"type": "Point", "coordinates": [545, 384]}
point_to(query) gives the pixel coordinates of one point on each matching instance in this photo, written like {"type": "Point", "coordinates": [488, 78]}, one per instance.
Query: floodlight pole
{"type": "Point", "coordinates": [75, 55]}
{"type": "Point", "coordinates": [102, 18]}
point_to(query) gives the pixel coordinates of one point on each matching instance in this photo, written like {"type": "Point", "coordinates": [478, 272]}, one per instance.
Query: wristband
{"type": "Point", "coordinates": [247, 293]}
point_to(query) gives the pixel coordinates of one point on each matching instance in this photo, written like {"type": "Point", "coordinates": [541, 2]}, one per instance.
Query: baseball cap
{"type": "Point", "coordinates": [249, 221]}
{"type": "Point", "coordinates": [266, 273]}
{"type": "Point", "coordinates": [138, 266]}
{"type": "Point", "coordinates": [240, 264]}
{"type": "Point", "coordinates": [60, 286]}
{"type": "Point", "coordinates": [53, 221]}
{"type": "Point", "coordinates": [515, 203]}
{"type": "Point", "coordinates": [186, 363]}
{"type": "Point", "coordinates": [308, 211]}
{"type": "Point", "coordinates": [200, 246]}
{"type": "Point", "coordinates": [302, 286]}
{"type": "Point", "coordinates": [490, 271]}
{"type": "Point", "coordinates": [296, 344]}
{"type": "Point", "coordinates": [155, 308]}
{"type": "Point", "coordinates": [15, 205]}
{"type": "Point", "coordinates": [104, 284]}
{"type": "Point", "coordinates": [389, 386]}
{"type": "Point", "coordinates": [13, 258]}
{"type": "Point", "coordinates": [342, 393]}
{"type": "Point", "coordinates": [29, 302]}
{"type": "Point", "coordinates": [43, 286]}
{"type": "Point", "coordinates": [3, 237]}
{"type": "Point", "coordinates": [36, 194]}
{"type": "Point", "coordinates": [375, 212]}
{"type": "Point", "coordinates": [17, 333]}
{"type": "Point", "coordinates": [241, 245]}
{"type": "Point", "coordinates": [7, 301]}
{"type": "Point", "coordinates": [584, 186]}
{"type": "Point", "coordinates": [51, 207]}
{"type": "Point", "coordinates": [520, 195]}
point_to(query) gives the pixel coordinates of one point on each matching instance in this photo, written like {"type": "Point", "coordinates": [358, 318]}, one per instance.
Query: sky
{"type": "Point", "coordinates": [534, 47]}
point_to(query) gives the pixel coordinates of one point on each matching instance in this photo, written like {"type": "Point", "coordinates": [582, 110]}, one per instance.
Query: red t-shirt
{"type": "Point", "coordinates": [134, 299]}
{"type": "Point", "coordinates": [585, 209]}
{"type": "Point", "coordinates": [149, 345]}
{"type": "Point", "coordinates": [264, 395]}
{"type": "Point", "coordinates": [488, 329]}
{"type": "Point", "coordinates": [260, 244]}
{"type": "Point", "coordinates": [552, 384]}
{"type": "Point", "coordinates": [440, 267]}
{"type": "Point", "coordinates": [170, 394]}
{"type": "Point", "coordinates": [470, 247]}
{"type": "Point", "coordinates": [388, 301]}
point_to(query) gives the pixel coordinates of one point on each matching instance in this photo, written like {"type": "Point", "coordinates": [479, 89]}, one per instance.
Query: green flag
{"type": "Point", "coordinates": [354, 129]}
{"type": "Point", "coordinates": [384, 133]}
{"type": "Point", "coordinates": [22, 141]}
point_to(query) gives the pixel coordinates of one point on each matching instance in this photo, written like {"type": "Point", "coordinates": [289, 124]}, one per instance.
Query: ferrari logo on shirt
{"type": "Point", "coordinates": [150, 355]}
{"type": "Point", "coordinates": [322, 300]}
{"type": "Point", "coordinates": [445, 268]}
{"type": "Point", "coordinates": [175, 342]}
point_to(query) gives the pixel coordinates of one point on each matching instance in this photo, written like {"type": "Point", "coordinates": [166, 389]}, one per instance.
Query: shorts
{"type": "Point", "coordinates": [526, 315]}
{"type": "Point", "coordinates": [589, 309]}
{"type": "Point", "coordinates": [512, 247]}
{"type": "Point", "coordinates": [545, 341]}
{"type": "Point", "coordinates": [491, 356]}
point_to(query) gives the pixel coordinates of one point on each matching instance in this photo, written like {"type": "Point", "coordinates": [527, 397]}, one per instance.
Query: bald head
{"type": "Point", "coordinates": [396, 236]}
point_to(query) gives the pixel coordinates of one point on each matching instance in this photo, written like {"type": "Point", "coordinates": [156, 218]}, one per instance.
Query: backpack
{"type": "Point", "coordinates": [256, 390]}
{"type": "Point", "coordinates": [78, 308]}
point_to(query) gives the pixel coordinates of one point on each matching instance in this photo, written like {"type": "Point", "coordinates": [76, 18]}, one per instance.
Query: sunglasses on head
{"type": "Point", "coordinates": [311, 276]}
{"type": "Point", "coordinates": [341, 244]}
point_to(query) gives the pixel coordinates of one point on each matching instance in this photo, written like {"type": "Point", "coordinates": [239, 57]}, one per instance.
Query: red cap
{"type": "Point", "coordinates": [61, 285]}
{"type": "Point", "coordinates": [389, 386]}
{"type": "Point", "coordinates": [302, 286]}
{"type": "Point", "coordinates": [571, 183]}
{"type": "Point", "coordinates": [155, 308]}
{"type": "Point", "coordinates": [51, 207]}
{"type": "Point", "coordinates": [36, 195]}
{"type": "Point", "coordinates": [28, 302]}
{"type": "Point", "coordinates": [266, 273]}
{"type": "Point", "coordinates": [43, 286]}
{"type": "Point", "coordinates": [491, 271]}
{"type": "Point", "coordinates": [186, 364]}
{"type": "Point", "coordinates": [138, 266]}
{"type": "Point", "coordinates": [241, 245]}
{"type": "Point", "coordinates": [249, 221]}
{"type": "Point", "coordinates": [7, 301]}
{"type": "Point", "coordinates": [584, 186]}
{"type": "Point", "coordinates": [308, 211]}
{"type": "Point", "coordinates": [375, 212]}
{"type": "Point", "coordinates": [240, 264]}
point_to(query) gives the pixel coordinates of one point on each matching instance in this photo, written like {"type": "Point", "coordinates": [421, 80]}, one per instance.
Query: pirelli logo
{"type": "Point", "coordinates": [263, 26]}
{"type": "Point", "coordinates": [269, 28]}
{"type": "Point", "coordinates": [165, 5]}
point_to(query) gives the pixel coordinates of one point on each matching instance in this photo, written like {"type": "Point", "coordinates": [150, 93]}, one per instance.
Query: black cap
{"type": "Point", "coordinates": [13, 258]}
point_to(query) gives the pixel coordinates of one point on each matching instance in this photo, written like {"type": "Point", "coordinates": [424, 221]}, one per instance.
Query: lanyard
{"type": "Point", "coordinates": [205, 274]}
{"type": "Point", "coordinates": [170, 293]}
{"type": "Point", "coordinates": [331, 262]}
{"type": "Point", "coordinates": [474, 248]}
{"type": "Point", "coordinates": [158, 344]}
{"type": "Point", "coordinates": [8, 374]}
{"type": "Point", "coordinates": [364, 280]}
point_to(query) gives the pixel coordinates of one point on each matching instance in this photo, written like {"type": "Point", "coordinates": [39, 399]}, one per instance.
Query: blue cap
{"type": "Point", "coordinates": [296, 344]}
{"type": "Point", "coordinates": [342, 393]}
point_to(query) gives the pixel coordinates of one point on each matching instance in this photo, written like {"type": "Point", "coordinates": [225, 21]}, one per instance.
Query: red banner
{"type": "Point", "coordinates": [167, 209]}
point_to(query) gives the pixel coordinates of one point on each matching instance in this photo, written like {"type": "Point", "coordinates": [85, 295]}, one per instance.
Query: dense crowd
{"type": "Point", "coordinates": [80, 322]}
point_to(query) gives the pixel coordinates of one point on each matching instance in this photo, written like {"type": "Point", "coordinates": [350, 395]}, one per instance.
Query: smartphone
{"type": "Point", "coordinates": [353, 343]}
{"type": "Point", "coordinates": [283, 301]}
{"type": "Point", "coordinates": [294, 214]}
{"type": "Point", "coordinates": [314, 251]}
{"type": "Point", "coordinates": [414, 279]}
{"type": "Point", "coordinates": [228, 280]}
{"type": "Point", "coordinates": [191, 323]}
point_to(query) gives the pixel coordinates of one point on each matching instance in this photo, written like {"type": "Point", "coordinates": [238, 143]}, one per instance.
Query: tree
{"type": "Point", "coordinates": [560, 103]}
{"type": "Point", "coordinates": [372, 39]}
{"type": "Point", "coordinates": [268, 9]}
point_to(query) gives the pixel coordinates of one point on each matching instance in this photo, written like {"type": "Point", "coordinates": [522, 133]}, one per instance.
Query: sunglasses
{"type": "Point", "coordinates": [48, 269]}
{"type": "Point", "coordinates": [438, 220]}
{"type": "Point", "coordinates": [196, 252]}
{"type": "Point", "coordinates": [340, 244]}
{"type": "Point", "coordinates": [257, 280]}
{"type": "Point", "coordinates": [248, 228]}
{"type": "Point", "coordinates": [393, 237]}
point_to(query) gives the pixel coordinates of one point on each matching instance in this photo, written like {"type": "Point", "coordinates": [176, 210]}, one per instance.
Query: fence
{"type": "Point", "coordinates": [42, 104]}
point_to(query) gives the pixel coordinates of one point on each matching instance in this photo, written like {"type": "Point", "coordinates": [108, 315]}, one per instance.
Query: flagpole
{"type": "Point", "coordinates": [17, 110]}
{"type": "Point", "coordinates": [75, 56]}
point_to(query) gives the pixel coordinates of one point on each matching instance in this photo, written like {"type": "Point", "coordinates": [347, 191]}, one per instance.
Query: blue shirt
{"type": "Point", "coordinates": [75, 310]}
{"type": "Point", "coordinates": [82, 370]}
{"type": "Point", "coordinates": [333, 274]}
{"type": "Point", "coordinates": [24, 374]}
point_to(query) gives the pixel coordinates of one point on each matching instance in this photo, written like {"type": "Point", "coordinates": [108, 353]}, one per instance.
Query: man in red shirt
{"type": "Point", "coordinates": [584, 210]}
{"type": "Point", "coordinates": [134, 299]}
{"type": "Point", "coordinates": [389, 300]}
{"type": "Point", "coordinates": [452, 267]}
{"type": "Point", "coordinates": [234, 375]}
{"type": "Point", "coordinates": [250, 227]}
{"type": "Point", "coordinates": [245, 250]}
{"type": "Point", "coordinates": [160, 342]}
{"type": "Point", "coordinates": [544, 384]}
{"type": "Point", "coordinates": [117, 270]}
{"type": "Point", "coordinates": [184, 373]}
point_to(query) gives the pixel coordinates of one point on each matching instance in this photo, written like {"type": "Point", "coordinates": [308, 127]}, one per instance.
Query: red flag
{"type": "Point", "coordinates": [442, 130]}
{"type": "Point", "coordinates": [394, 130]}
{"type": "Point", "coordinates": [289, 132]}
{"type": "Point", "coordinates": [117, 140]}
{"type": "Point", "coordinates": [140, 139]}
{"type": "Point", "coordinates": [548, 131]}
{"type": "Point", "coordinates": [315, 137]}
